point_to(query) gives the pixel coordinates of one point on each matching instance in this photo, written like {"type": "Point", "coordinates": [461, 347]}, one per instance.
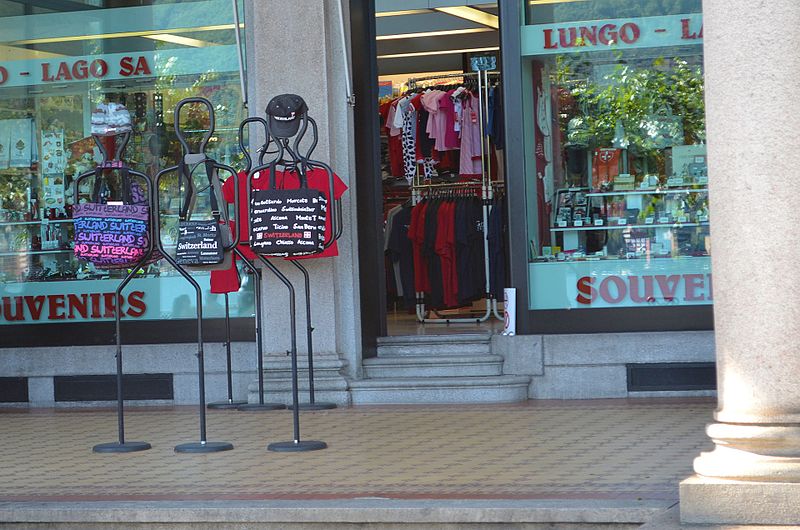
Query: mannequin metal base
{"type": "Point", "coordinates": [116, 447]}
{"type": "Point", "coordinates": [200, 447]}
{"type": "Point", "coordinates": [317, 405]}
{"type": "Point", "coordinates": [297, 447]}
{"type": "Point", "coordinates": [260, 407]}
{"type": "Point", "coordinates": [226, 405]}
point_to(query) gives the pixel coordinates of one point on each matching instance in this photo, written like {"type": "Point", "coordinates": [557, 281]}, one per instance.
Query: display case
{"type": "Point", "coordinates": [641, 223]}
{"type": "Point", "coordinates": [49, 143]}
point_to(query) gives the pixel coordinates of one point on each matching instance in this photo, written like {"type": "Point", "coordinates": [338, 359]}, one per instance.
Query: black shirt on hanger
{"type": "Point", "coordinates": [400, 249]}
{"type": "Point", "coordinates": [436, 294]}
{"type": "Point", "coordinates": [497, 254]}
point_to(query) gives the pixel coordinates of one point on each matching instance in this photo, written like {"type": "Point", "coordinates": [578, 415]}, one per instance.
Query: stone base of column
{"type": "Point", "coordinates": [712, 501]}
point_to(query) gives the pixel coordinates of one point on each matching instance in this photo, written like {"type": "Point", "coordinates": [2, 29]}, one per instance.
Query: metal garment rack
{"type": "Point", "coordinates": [418, 187]}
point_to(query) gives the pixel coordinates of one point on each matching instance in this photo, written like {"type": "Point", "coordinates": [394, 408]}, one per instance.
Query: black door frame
{"type": "Point", "coordinates": [369, 192]}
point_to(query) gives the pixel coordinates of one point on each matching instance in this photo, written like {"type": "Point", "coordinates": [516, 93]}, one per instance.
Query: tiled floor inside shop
{"type": "Point", "coordinates": [400, 322]}
{"type": "Point", "coordinates": [600, 449]}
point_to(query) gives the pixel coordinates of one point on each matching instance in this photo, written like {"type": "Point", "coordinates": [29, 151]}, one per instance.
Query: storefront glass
{"type": "Point", "coordinates": [615, 154]}
{"type": "Point", "coordinates": [56, 65]}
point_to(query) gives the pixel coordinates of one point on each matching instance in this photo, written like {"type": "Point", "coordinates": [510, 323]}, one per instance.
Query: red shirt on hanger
{"type": "Point", "coordinates": [317, 179]}
{"type": "Point", "coordinates": [416, 233]}
{"type": "Point", "coordinates": [227, 281]}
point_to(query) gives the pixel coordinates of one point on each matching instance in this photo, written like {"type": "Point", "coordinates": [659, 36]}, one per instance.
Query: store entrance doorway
{"type": "Point", "coordinates": [441, 171]}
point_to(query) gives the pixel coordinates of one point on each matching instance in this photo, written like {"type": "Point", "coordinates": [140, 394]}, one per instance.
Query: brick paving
{"type": "Point", "coordinates": [622, 449]}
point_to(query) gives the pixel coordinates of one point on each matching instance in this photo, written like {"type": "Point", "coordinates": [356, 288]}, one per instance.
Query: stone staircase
{"type": "Point", "coordinates": [329, 383]}
{"type": "Point", "coordinates": [437, 369]}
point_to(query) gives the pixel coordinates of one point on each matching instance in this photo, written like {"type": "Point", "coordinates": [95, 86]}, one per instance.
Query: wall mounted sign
{"type": "Point", "coordinates": [118, 66]}
{"type": "Point", "coordinates": [612, 34]}
{"type": "Point", "coordinates": [621, 283]}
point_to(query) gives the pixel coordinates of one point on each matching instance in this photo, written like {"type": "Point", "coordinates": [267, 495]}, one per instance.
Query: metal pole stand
{"type": "Point", "coordinates": [261, 405]}
{"type": "Point", "coordinates": [201, 446]}
{"type": "Point", "coordinates": [122, 446]}
{"type": "Point", "coordinates": [296, 445]}
{"type": "Point", "coordinates": [230, 403]}
{"type": "Point", "coordinates": [312, 404]}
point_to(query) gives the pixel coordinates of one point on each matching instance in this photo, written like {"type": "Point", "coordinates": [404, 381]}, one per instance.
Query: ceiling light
{"type": "Point", "coordinates": [432, 33]}
{"type": "Point", "coordinates": [472, 14]}
{"type": "Point", "coordinates": [401, 13]}
{"type": "Point", "coordinates": [177, 39]}
{"type": "Point", "coordinates": [438, 52]}
{"type": "Point", "coordinates": [71, 38]}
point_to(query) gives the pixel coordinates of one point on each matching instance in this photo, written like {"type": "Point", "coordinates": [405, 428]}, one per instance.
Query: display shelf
{"type": "Point", "coordinates": [662, 191]}
{"type": "Point", "coordinates": [35, 252]}
{"type": "Point", "coordinates": [44, 221]}
{"type": "Point", "coordinates": [623, 227]}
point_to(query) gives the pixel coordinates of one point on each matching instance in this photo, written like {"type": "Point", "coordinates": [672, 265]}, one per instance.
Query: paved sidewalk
{"type": "Point", "coordinates": [601, 449]}
{"type": "Point", "coordinates": [584, 455]}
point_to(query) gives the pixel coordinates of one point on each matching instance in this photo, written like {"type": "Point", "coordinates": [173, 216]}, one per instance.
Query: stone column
{"type": "Point", "coordinates": [753, 103]}
{"type": "Point", "coordinates": [295, 47]}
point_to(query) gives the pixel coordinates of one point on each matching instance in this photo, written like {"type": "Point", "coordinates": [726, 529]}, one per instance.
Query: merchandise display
{"type": "Point", "coordinates": [622, 188]}
{"type": "Point", "coordinates": [54, 145]}
{"type": "Point", "coordinates": [616, 160]}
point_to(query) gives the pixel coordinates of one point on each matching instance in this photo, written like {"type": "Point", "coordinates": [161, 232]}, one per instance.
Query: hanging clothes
{"type": "Point", "coordinates": [470, 162]}
{"type": "Point", "coordinates": [388, 111]}
{"type": "Point", "coordinates": [497, 248]}
{"type": "Point", "coordinates": [400, 250]}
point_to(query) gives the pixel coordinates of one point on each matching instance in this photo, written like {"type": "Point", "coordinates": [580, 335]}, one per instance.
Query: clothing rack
{"type": "Point", "coordinates": [486, 185]}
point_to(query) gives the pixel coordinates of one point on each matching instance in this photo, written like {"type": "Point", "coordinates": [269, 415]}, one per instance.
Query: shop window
{"type": "Point", "coordinates": [56, 66]}
{"type": "Point", "coordinates": [616, 157]}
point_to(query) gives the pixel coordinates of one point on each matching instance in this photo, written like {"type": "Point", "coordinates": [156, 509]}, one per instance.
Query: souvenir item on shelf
{"type": "Point", "coordinates": [605, 167]}
{"type": "Point", "coordinates": [110, 119]}
{"type": "Point", "coordinates": [20, 142]}
{"type": "Point", "coordinates": [5, 139]}
{"type": "Point", "coordinates": [624, 182]}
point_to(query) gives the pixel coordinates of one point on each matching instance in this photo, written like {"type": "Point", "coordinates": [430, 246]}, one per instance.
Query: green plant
{"type": "Point", "coordinates": [629, 95]}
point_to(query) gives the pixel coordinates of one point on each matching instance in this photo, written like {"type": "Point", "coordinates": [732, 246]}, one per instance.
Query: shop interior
{"type": "Point", "coordinates": [441, 167]}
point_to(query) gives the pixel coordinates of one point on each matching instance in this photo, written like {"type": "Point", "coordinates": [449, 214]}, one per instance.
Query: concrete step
{"type": "Point", "coordinates": [486, 389]}
{"type": "Point", "coordinates": [325, 365]}
{"type": "Point", "coordinates": [329, 383]}
{"type": "Point", "coordinates": [433, 366]}
{"type": "Point", "coordinates": [456, 344]}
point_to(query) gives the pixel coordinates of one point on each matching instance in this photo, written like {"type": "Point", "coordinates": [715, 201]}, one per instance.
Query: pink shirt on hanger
{"type": "Point", "coordinates": [470, 161]}
{"type": "Point", "coordinates": [430, 100]}
{"type": "Point", "coordinates": [447, 108]}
